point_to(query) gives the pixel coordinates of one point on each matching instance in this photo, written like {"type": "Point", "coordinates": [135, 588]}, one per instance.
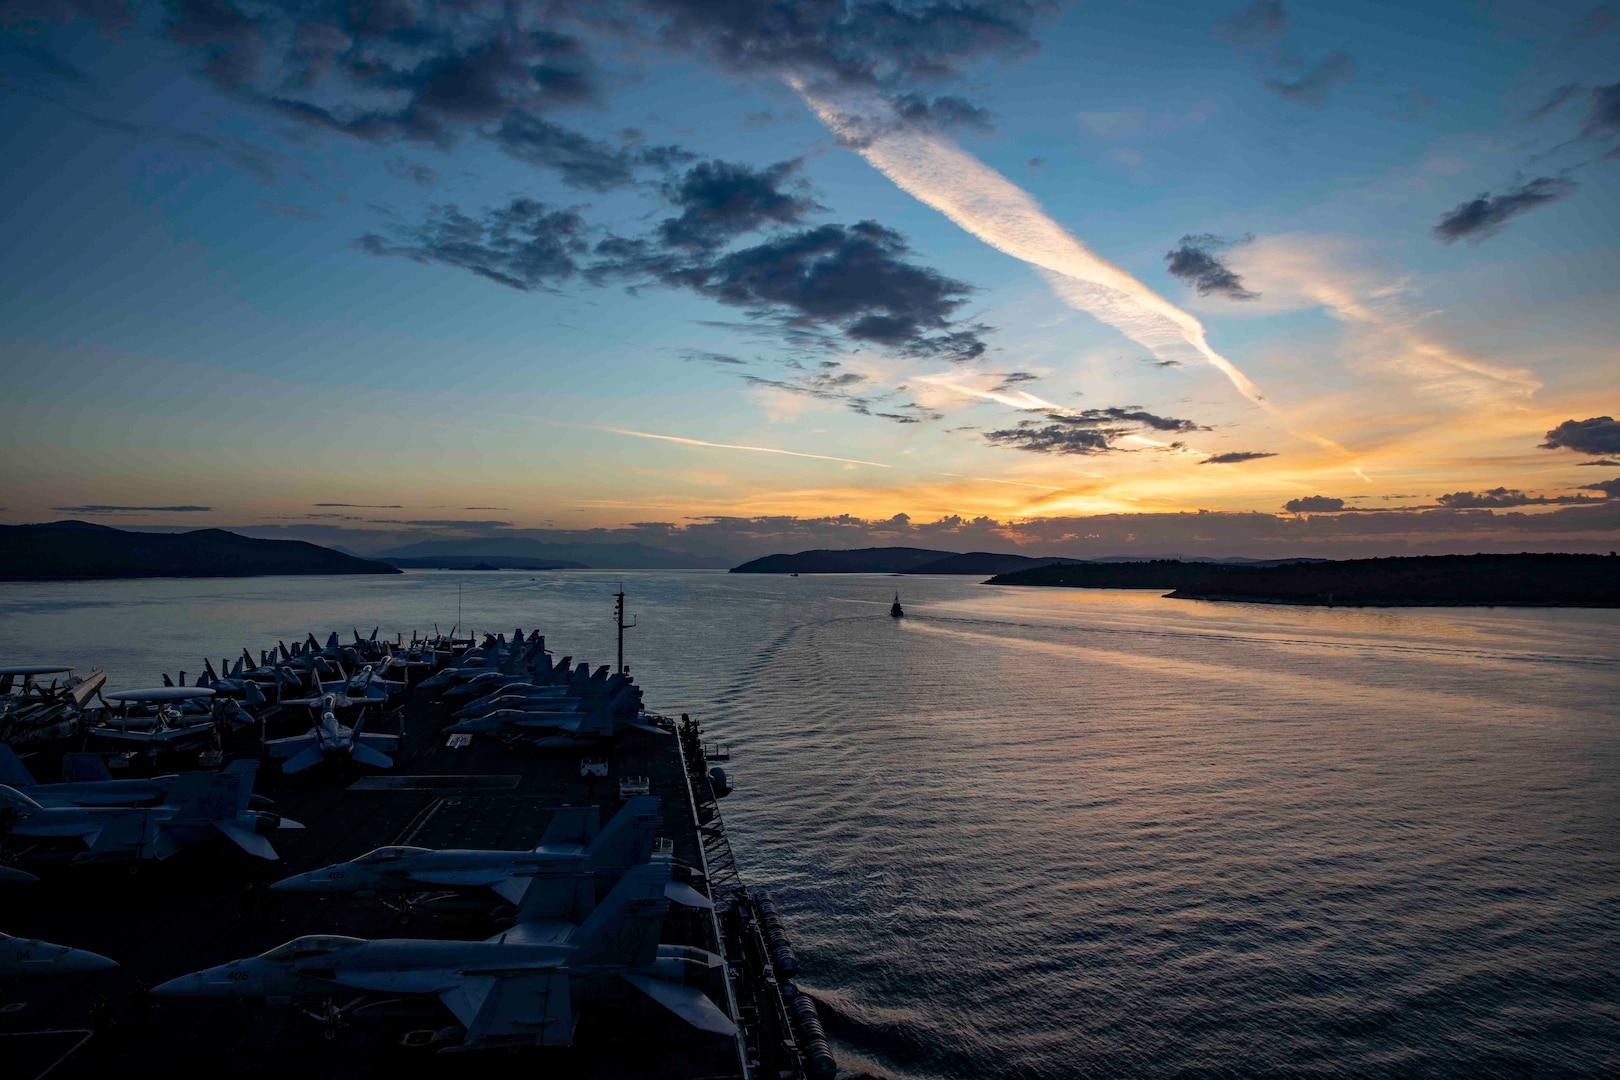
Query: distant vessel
{"type": "Point", "coordinates": [895, 610]}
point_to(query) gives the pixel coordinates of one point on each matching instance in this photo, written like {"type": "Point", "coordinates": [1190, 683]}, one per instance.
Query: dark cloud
{"type": "Point", "coordinates": [365, 506]}
{"type": "Point", "coordinates": [1232, 457]}
{"type": "Point", "coordinates": [1036, 163]}
{"type": "Point", "coordinates": [864, 43]}
{"type": "Point", "coordinates": [1594, 435]}
{"type": "Point", "coordinates": [443, 81]}
{"type": "Point", "coordinates": [581, 161]}
{"type": "Point", "coordinates": [100, 508]}
{"type": "Point", "coordinates": [1312, 88]}
{"type": "Point", "coordinates": [1485, 216]}
{"type": "Point", "coordinates": [699, 357]}
{"type": "Point", "coordinates": [1055, 439]}
{"type": "Point", "coordinates": [1602, 112]}
{"type": "Point", "coordinates": [395, 70]}
{"type": "Point", "coordinates": [1162, 363]}
{"type": "Point", "coordinates": [228, 39]}
{"type": "Point", "coordinates": [947, 113]}
{"type": "Point", "coordinates": [1555, 99]}
{"type": "Point", "coordinates": [486, 508]}
{"type": "Point", "coordinates": [1604, 462]}
{"type": "Point", "coordinates": [720, 201]}
{"type": "Point", "coordinates": [1263, 22]}
{"type": "Point", "coordinates": [1313, 504]}
{"type": "Point", "coordinates": [111, 15]}
{"type": "Point", "coordinates": [524, 245]}
{"type": "Point", "coordinates": [1196, 263]}
{"type": "Point", "coordinates": [1011, 380]}
{"type": "Point", "coordinates": [1597, 21]}
{"type": "Point", "coordinates": [1503, 497]}
{"type": "Point", "coordinates": [854, 279]}
{"type": "Point", "coordinates": [413, 171]}
{"type": "Point", "coordinates": [1091, 431]}
{"type": "Point", "coordinates": [290, 210]}
{"type": "Point", "coordinates": [1609, 488]}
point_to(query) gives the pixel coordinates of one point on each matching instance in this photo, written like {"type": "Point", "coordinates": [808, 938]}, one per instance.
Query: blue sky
{"type": "Point", "coordinates": [256, 264]}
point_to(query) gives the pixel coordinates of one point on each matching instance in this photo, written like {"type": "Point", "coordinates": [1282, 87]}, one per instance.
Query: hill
{"type": "Point", "coordinates": [1531, 580]}
{"type": "Point", "coordinates": [501, 550]}
{"type": "Point", "coordinates": [982, 562]}
{"type": "Point", "coordinates": [480, 562]}
{"type": "Point", "coordinates": [79, 549]}
{"type": "Point", "coordinates": [892, 560]}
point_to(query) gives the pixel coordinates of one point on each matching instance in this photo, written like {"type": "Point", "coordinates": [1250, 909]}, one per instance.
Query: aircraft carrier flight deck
{"type": "Point", "coordinates": [209, 905]}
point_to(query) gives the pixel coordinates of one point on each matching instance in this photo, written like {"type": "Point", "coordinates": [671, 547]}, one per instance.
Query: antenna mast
{"type": "Point", "coordinates": [618, 619]}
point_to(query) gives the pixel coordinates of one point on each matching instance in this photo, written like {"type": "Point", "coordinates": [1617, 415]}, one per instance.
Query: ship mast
{"type": "Point", "coordinates": [618, 619]}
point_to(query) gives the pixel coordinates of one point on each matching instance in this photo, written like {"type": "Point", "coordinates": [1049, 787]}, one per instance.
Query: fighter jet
{"type": "Point", "coordinates": [570, 841]}
{"type": "Point", "coordinates": [328, 739]}
{"type": "Point", "coordinates": [506, 991]}
{"type": "Point", "coordinates": [199, 807]}
{"type": "Point", "coordinates": [590, 721]}
{"type": "Point", "coordinates": [246, 690]}
{"type": "Point", "coordinates": [87, 782]}
{"type": "Point", "coordinates": [22, 958]}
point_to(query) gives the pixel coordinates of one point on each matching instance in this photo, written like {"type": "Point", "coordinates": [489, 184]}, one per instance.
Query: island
{"type": "Point", "coordinates": [1523, 580]}
{"type": "Point", "coordinates": [66, 550]}
{"type": "Point", "coordinates": [890, 560]}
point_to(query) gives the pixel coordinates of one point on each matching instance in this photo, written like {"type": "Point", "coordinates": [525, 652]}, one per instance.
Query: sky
{"type": "Point", "coordinates": [1107, 278]}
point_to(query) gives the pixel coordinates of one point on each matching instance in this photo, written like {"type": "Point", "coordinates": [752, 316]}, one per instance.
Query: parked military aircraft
{"type": "Point", "coordinates": [505, 992]}
{"type": "Point", "coordinates": [571, 840]}
{"type": "Point", "coordinates": [156, 719]}
{"type": "Point", "coordinates": [22, 958]}
{"type": "Point", "coordinates": [200, 806]}
{"type": "Point", "coordinates": [86, 781]}
{"type": "Point", "coordinates": [328, 739]}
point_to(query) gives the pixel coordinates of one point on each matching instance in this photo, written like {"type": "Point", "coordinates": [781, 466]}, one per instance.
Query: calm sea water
{"type": "Point", "coordinates": [1050, 833]}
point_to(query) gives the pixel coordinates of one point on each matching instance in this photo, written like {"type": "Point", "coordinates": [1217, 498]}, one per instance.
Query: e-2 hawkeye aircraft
{"type": "Point", "coordinates": [201, 806]}
{"type": "Point", "coordinates": [505, 991]}
{"type": "Point", "coordinates": [329, 739]}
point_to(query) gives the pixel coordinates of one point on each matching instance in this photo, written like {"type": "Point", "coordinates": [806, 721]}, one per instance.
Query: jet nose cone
{"type": "Point", "coordinates": [301, 883]}
{"type": "Point", "coordinates": [185, 986]}
{"type": "Point", "coordinates": [81, 962]}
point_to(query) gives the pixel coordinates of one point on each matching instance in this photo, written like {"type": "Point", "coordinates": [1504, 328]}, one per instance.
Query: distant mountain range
{"type": "Point", "coordinates": [1417, 581]}
{"type": "Point", "coordinates": [80, 549]}
{"type": "Point", "coordinates": [900, 560]}
{"type": "Point", "coordinates": [503, 551]}
{"type": "Point", "coordinates": [480, 562]}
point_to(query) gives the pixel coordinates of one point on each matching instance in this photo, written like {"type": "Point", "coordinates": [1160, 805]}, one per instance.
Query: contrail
{"type": "Point", "coordinates": [737, 446]}
{"type": "Point", "coordinates": [989, 206]}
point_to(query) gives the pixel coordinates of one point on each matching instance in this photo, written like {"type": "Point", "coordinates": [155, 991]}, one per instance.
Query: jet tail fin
{"type": "Point", "coordinates": [211, 796]}
{"type": "Point", "coordinates": [686, 1002]}
{"type": "Point", "coordinates": [78, 768]}
{"type": "Point", "coordinates": [306, 758]}
{"type": "Point", "coordinates": [248, 840]}
{"type": "Point", "coordinates": [368, 756]}
{"type": "Point", "coordinates": [13, 773]}
{"type": "Point", "coordinates": [566, 892]}
{"type": "Point", "coordinates": [535, 1007]}
{"type": "Point", "coordinates": [626, 840]}
{"type": "Point", "coordinates": [572, 825]}
{"type": "Point", "coordinates": [624, 928]}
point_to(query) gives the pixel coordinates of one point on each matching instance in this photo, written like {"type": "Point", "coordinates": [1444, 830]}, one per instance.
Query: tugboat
{"type": "Point", "coordinates": [895, 610]}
